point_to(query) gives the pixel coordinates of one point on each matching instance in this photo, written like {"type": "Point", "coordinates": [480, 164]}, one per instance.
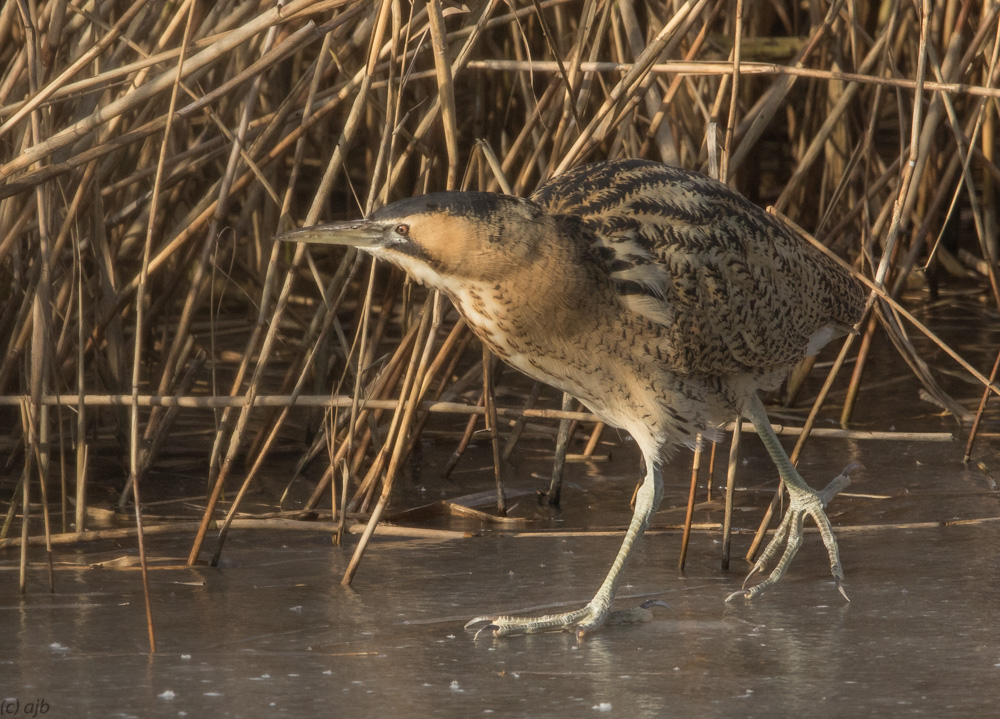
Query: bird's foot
{"type": "Point", "coordinates": [582, 621]}
{"type": "Point", "coordinates": [804, 502]}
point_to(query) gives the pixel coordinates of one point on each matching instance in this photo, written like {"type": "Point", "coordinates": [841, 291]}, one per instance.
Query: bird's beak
{"type": "Point", "coordinates": [356, 233]}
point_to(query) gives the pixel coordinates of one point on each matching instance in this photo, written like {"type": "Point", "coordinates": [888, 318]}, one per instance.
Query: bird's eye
{"type": "Point", "coordinates": [402, 230]}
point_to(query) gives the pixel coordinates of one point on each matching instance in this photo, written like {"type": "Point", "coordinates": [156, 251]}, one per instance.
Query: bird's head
{"type": "Point", "coordinates": [445, 237]}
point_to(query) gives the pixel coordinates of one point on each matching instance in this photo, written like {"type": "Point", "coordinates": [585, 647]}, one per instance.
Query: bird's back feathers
{"type": "Point", "coordinates": [735, 288]}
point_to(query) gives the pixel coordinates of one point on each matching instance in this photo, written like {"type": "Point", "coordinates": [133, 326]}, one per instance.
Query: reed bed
{"type": "Point", "coordinates": [149, 151]}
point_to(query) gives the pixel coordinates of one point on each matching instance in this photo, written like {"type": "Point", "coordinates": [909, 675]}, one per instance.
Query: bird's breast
{"type": "Point", "coordinates": [533, 336]}
{"type": "Point", "coordinates": [487, 313]}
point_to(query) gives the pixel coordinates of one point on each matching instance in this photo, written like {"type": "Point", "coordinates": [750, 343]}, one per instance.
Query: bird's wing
{"type": "Point", "coordinates": [728, 287]}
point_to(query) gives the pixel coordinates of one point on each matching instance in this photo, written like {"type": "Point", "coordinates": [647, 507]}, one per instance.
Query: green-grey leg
{"type": "Point", "coordinates": [804, 501]}
{"type": "Point", "coordinates": [598, 611]}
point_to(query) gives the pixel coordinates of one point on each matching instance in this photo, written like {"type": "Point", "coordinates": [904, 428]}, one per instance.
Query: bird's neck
{"type": "Point", "coordinates": [536, 305]}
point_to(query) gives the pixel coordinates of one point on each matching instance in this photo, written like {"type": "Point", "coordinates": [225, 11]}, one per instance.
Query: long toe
{"type": "Point", "coordinates": [582, 622]}
{"type": "Point", "coordinates": [787, 540]}
{"type": "Point", "coordinates": [506, 625]}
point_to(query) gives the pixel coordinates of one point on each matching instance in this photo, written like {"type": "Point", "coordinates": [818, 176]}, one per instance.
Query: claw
{"type": "Point", "coordinates": [469, 624]}
{"type": "Point", "coordinates": [743, 591]}
{"type": "Point", "coordinates": [491, 627]}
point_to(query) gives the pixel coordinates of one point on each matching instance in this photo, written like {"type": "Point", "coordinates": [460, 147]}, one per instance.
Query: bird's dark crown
{"type": "Point", "coordinates": [476, 206]}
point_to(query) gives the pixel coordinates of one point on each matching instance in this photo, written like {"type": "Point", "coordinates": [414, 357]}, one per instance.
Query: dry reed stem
{"type": "Point", "coordinates": [980, 411]}
{"type": "Point", "coordinates": [442, 407]}
{"type": "Point", "coordinates": [490, 419]}
{"type": "Point", "coordinates": [727, 521]}
{"type": "Point", "coordinates": [148, 91]}
{"type": "Point", "coordinates": [402, 419]}
{"type": "Point", "coordinates": [692, 492]}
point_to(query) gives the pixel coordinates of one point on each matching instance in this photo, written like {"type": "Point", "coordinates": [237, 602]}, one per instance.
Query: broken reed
{"type": "Point", "coordinates": [871, 124]}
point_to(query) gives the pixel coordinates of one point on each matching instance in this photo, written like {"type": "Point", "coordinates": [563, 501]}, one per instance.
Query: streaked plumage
{"type": "Point", "coordinates": [658, 297]}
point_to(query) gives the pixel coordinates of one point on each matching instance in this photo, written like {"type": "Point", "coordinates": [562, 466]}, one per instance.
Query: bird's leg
{"type": "Point", "coordinates": [598, 611]}
{"type": "Point", "coordinates": [803, 501]}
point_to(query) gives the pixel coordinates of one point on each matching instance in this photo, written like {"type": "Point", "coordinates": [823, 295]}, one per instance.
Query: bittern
{"type": "Point", "coordinates": [658, 297]}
